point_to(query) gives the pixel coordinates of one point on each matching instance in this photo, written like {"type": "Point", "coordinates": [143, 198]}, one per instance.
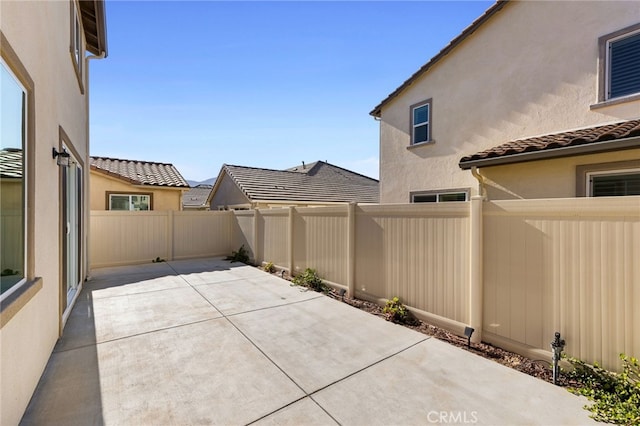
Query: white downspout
{"type": "Point", "coordinates": [476, 285]}
{"type": "Point", "coordinates": [87, 194]}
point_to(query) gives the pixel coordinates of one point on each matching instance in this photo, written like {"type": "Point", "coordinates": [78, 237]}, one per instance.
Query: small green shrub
{"type": "Point", "coordinates": [615, 396]}
{"type": "Point", "coordinates": [396, 312]}
{"type": "Point", "coordinates": [242, 255]}
{"type": "Point", "coordinates": [7, 272]}
{"type": "Point", "coordinates": [269, 267]}
{"type": "Point", "coordinates": [310, 279]}
{"type": "Point", "coordinates": [157, 260]}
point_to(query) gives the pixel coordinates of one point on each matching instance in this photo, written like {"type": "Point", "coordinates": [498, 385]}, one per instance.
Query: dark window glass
{"type": "Point", "coordinates": [615, 185]}
{"type": "Point", "coordinates": [458, 196]}
{"type": "Point", "coordinates": [625, 66]}
{"type": "Point", "coordinates": [428, 198]}
{"type": "Point", "coordinates": [12, 184]}
{"type": "Point", "coordinates": [421, 134]}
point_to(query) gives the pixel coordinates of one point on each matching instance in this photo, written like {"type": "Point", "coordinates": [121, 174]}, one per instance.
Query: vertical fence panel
{"type": "Point", "coordinates": [274, 235]}
{"type": "Point", "coordinates": [199, 234]}
{"type": "Point", "coordinates": [418, 253]}
{"type": "Point", "coordinates": [567, 265]}
{"type": "Point", "coordinates": [123, 238]}
{"type": "Point", "coordinates": [243, 231]}
{"type": "Point", "coordinates": [321, 242]}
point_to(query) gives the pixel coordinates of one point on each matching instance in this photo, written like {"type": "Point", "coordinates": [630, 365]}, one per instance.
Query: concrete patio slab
{"type": "Point", "coordinates": [243, 295]}
{"type": "Point", "coordinates": [304, 412]}
{"type": "Point", "coordinates": [434, 382]}
{"type": "Point", "coordinates": [146, 346]}
{"type": "Point", "coordinates": [148, 269]}
{"type": "Point", "coordinates": [96, 320]}
{"type": "Point", "coordinates": [204, 373]}
{"type": "Point", "coordinates": [133, 284]}
{"type": "Point", "coordinates": [321, 340]}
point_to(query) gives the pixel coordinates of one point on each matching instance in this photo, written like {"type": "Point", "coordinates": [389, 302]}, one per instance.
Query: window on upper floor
{"type": "Point", "coordinates": [421, 122]}
{"type": "Point", "coordinates": [439, 196]}
{"type": "Point", "coordinates": [75, 45]}
{"type": "Point", "coordinates": [620, 59]}
{"type": "Point", "coordinates": [13, 120]}
{"type": "Point", "coordinates": [129, 202]}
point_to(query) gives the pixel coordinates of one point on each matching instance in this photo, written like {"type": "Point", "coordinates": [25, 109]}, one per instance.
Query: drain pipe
{"type": "Point", "coordinates": [86, 174]}
{"type": "Point", "coordinates": [481, 182]}
{"type": "Point", "coordinates": [557, 346]}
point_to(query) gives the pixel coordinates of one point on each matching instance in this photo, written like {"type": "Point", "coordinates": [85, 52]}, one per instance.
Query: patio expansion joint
{"type": "Point", "coordinates": [255, 345]}
{"type": "Point", "coordinates": [295, 302]}
{"type": "Point", "coordinates": [310, 394]}
{"type": "Point", "coordinates": [135, 335]}
{"type": "Point", "coordinates": [132, 293]}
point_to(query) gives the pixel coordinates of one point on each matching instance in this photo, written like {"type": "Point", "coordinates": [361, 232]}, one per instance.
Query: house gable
{"type": "Point", "coordinates": [531, 69]}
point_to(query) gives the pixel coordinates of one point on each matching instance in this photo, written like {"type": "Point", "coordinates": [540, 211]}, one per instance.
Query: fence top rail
{"type": "Point", "coordinates": [273, 212]}
{"type": "Point", "coordinates": [567, 207]}
{"type": "Point", "coordinates": [130, 213]}
{"type": "Point", "coordinates": [426, 210]}
{"type": "Point", "coordinates": [203, 213]}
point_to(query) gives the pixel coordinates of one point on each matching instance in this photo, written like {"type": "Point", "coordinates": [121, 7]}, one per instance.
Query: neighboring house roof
{"type": "Point", "coordinates": [584, 141]}
{"type": "Point", "coordinates": [377, 111]}
{"type": "Point", "coordinates": [94, 24]}
{"type": "Point", "coordinates": [316, 182]}
{"type": "Point", "coordinates": [198, 196]}
{"type": "Point", "coordinates": [140, 172]}
{"type": "Point", "coordinates": [11, 163]}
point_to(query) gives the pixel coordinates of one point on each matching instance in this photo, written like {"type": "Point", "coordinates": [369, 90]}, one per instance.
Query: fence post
{"type": "Point", "coordinates": [170, 231]}
{"type": "Point", "coordinates": [351, 249]}
{"type": "Point", "coordinates": [291, 265]}
{"type": "Point", "coordinates": [256, 236]}
{"type": "Point", "coordinates": [475, 268]}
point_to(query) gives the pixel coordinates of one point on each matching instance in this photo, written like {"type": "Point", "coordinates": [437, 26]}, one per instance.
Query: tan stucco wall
{"type": "Point", "coordinates": [546, 179]}
{"type": "Point", "coordinates": [39, 34]}
{"type": "Point", "coordinates": [227, 194]}
{"type": "Point", "coordinates": [163, 198]}
{"type": "Point", "coordinates": [530, 70]}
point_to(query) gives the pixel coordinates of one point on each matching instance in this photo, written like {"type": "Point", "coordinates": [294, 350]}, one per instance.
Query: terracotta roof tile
{"type": "Point", "coordinates": [140, 172]}
{"type": "Point", "coordinates": [591, 135]}
{"type": "Point", "coordinates": [316, 182]}
{"type": "Point", "coordinates": [11, 163]}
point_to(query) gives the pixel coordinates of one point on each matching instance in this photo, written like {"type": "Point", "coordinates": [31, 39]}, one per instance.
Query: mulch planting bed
{"type": "Point", "coordinates": [536, 368]}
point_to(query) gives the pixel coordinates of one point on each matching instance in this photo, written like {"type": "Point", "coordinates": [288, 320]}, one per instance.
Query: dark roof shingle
{"type": "Point", "coordinates": [197, 196]}
{"type": "Point", "coordinates": [512, 152]}
{"type": "Point", "coordinates": [140, 172]}
{"type": "Point", "coordinates": [315, 182]}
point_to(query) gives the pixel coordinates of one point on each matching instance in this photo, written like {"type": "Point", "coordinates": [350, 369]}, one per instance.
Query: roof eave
{"type": "Point", "coordinates": [377, 111]}
{"type": "Point", "coordinates": [95, 27]}
{"type": "Point", "coordinates": [592, 148]}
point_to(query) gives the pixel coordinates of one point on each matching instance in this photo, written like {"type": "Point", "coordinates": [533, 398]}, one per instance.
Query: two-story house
{"type": "Point", "coordinates": [532, 100]}
{"type": "Point", "coordinates": [45, 50]}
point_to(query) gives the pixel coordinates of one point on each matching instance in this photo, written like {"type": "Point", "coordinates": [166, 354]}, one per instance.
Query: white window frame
{"type": "Point", "coordinates": [617, 172]}
{"type": "Point", "coordinates": [604, 67]}
{"type": "Point", "coordinates": [25, 120]}
{"type": "Point", "coordinates": [130, 203]}
{"type": "Point", "coordinates": [429, 104]}
{"type": "Point", "coordinates": [76, 46]}
{"type": "Point", "coordinates": [608, 72]}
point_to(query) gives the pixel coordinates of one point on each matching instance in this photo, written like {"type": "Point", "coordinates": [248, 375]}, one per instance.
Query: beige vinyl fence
{"type": "Point", "coordinates": [517, 271]}
{"type": "Point", "coordinates": [125, 238]}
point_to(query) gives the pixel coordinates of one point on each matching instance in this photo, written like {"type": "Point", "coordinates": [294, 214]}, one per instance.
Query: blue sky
{"type": "Point", "coordinates": [262, 84]}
